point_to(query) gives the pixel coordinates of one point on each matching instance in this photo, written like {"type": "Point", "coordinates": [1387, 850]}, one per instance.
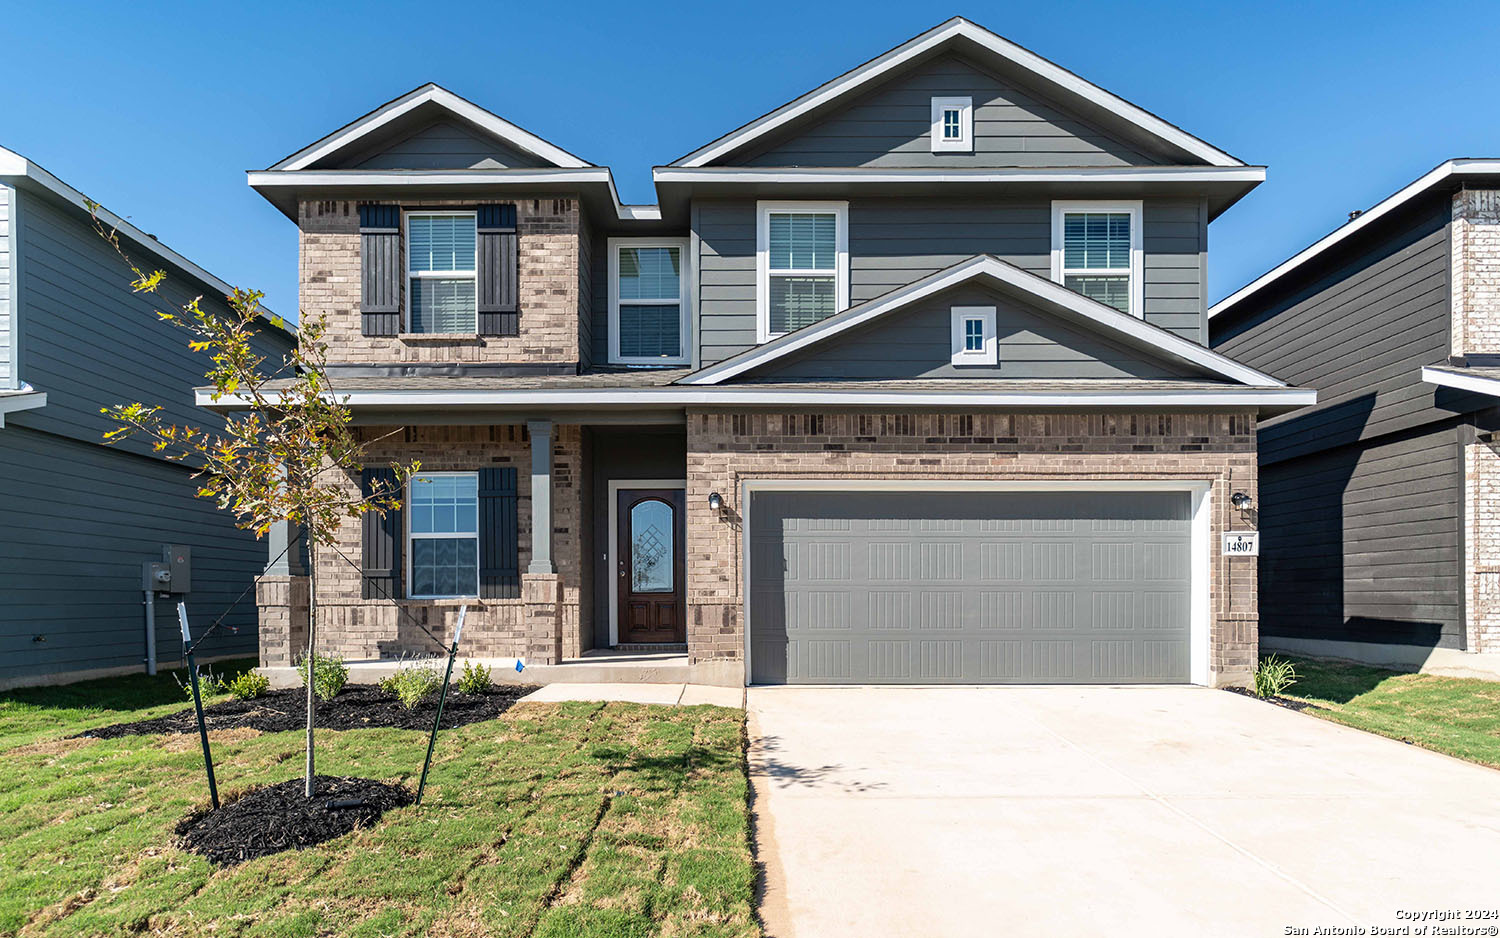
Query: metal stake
{"type": "Point", "coordinates": [187, 647]}
{"type": "Point", "coordinates": [442, 699]}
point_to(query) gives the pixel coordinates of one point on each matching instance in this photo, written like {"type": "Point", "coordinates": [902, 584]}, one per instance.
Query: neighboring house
{"type": "Point", "coordinates": [78, 519]}
{"type": "Point", "coordinates": [904, 381]}
{"type": "Point", "coordinates": [1380, 542]}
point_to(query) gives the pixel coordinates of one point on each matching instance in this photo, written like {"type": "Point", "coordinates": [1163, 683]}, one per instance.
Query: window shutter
{"type": "Point", "coordinates": [380, 540]}
{"type": "Point", "coordinates": [499, 535]}
{"type": "Point", "coordinates": [499, 313]}
{"type": "Point", "coordinates": [380, 269]}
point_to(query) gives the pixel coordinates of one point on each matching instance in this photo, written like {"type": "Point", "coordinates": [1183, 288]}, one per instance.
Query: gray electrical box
{"type": "Point", "coordinates": [156, 577]}
{"type": "Point", "coordinates": [180, 564]}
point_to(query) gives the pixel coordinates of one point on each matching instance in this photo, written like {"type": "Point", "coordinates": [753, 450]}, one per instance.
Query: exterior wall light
{"type": "Point", "coordinates": [715, 501]}
{"type": "Point", "coordinates": [1240, 500]}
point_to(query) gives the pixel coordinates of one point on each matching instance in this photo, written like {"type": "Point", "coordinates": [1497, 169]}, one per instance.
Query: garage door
{"type": "Point", "coordinates": [969, 587]}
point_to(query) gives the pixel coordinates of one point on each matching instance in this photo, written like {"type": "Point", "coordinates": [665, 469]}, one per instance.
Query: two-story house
{"type": "Point", "coordinates": [904, 381]}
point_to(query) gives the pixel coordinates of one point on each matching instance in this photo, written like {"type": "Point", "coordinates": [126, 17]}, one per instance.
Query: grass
{"type": "Point", "coordinates": [1456, 716]}
{"type": "Point", "coordinates": [573, 819]}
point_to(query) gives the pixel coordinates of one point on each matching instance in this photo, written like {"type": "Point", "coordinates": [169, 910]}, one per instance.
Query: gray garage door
{"type": "Point", "coordinates": [969, 587]}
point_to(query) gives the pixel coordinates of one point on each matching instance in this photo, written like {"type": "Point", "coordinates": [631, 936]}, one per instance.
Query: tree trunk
{"type": "Point", "coordinates": [312, 639]}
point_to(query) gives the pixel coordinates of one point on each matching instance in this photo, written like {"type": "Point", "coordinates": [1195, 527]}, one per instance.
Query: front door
{"type": "Point", "coordinates": [650, 566]}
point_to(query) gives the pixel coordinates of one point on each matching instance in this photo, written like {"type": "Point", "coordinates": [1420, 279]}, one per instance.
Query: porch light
{"type": "Point", "coordinates": [715, 501]}
{"type": "Point", "coordinates": [1240, 500]}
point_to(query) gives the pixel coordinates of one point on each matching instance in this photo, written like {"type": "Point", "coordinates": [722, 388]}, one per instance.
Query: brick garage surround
{"type": "Point", "coordinates": [548, 258]}
{"type": "Point", "coordinates": [725, 449]}
{"type": "Point", "coordinates": [359, 628]}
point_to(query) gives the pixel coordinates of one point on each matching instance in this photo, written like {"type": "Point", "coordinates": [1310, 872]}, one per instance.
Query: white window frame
{"type": "Point", "coordinates": [413, 536]}
{"type": "Point", "coordinates": [989, 354]}
{"type": "Point", "coordinates": [965, 141]}
{"type": "Point", "coordinates": [683, 300]}
{"type": "Point", "coordinates": [1136, 270]}
{"type": "Point", "coordinates": [763, 212]}
{"type": "Point", "coordinates": [406, 312]}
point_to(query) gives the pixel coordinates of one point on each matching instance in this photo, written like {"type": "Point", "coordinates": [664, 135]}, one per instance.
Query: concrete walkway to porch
{"type": "Point", "coordinates": [595, 667]}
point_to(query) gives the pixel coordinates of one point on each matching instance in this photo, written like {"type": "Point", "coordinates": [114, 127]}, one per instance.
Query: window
{"type": "Point", "coordinates": [802, 254]}
{"type": "Point", "coordinates": [440, 281]}
{"type": "Point", "coordinates": [443, 543]}
{"type": "Point", "coordinates": [648, 305]}
{"type": "Point", "coordinates": [952, 125]}
{"type": "Point", "coordinates": [1096, 250]}
{"type": "Point", "coordinates": [974, 338]}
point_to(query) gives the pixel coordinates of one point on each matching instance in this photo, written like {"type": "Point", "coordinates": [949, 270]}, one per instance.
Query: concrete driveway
{"type": "Point", "coordinates": [1097, 810]}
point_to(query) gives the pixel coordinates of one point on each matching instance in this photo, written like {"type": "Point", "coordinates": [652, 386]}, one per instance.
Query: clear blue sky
{"type": "Point", "coordinates": [156, 110]}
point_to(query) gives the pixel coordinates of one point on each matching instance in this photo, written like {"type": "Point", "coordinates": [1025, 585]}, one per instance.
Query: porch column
{"type": "Point", "coordinates": [541, 496]}
{"type": "Point", "coordinates": [284, 560]}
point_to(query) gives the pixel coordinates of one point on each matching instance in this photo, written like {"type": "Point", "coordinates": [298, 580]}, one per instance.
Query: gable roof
{"type": "Point", "coordinates": [1049, 75]}
{"type": "Point", "coordinates": [1106, 319]}
{"type": "Point", "coordinates": [1445, 175]}
{"type": "Point", "coordinates": [434, 96]}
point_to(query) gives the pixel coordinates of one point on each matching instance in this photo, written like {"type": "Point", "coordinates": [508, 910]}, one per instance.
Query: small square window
{"type": "Point", "coordinates": [974, 338]}
{"type": "Point", "coordinates": [952, 125]}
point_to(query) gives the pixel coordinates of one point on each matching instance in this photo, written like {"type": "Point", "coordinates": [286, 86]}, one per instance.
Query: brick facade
{"type": "Point", "coordinates": [548, 238]}
{"type": "Point", "coordinates": [726, 449]}
{"type": "Point", "coordinates": [1475, 259]}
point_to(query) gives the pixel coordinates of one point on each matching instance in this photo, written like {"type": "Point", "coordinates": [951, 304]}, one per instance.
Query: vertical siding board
{"type": "Point", "coordinates": [499, 535]}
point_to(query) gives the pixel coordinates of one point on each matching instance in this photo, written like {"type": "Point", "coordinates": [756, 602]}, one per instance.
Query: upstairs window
{"type": "Point", "coordinates": [803, 260]}
{"type": "Point", "coordinates": [443, 543]}
{"type": "Point", "coordinates": [952, 125]}
{"type": "Point", "coordinates": [648, 309]}
{"type": "Point", "coordinates": [440, 272]}
{"type": "Point", "coordinates": [1096, 251]}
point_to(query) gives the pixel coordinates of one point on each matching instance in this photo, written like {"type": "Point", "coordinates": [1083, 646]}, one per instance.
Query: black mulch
{"type": "Point", "coordinates": [1273, 699]}
{"type": "Point", "coordinates": [357, 707]}
{"type": "Point", "coordinates": [270, 820]}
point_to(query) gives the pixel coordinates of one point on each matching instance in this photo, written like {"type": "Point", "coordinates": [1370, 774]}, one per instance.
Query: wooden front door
{"type": "Point", "coordinates": [650, 566]}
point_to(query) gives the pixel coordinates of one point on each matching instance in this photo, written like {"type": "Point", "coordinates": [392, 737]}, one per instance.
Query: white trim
{"type": "Point", "coordinates": [815, 175]}
{"type": "Point", "coordinates": [1060, 78]}
{"type": "Point", "coordinates": [1452, 378]}
{"type": "Point", "coordinates": [406, 304]}
{"type": "Point", "coordinates": [763, 212]}
{"type": "Point", "coordinates": [1201, 562]}
{"type": "Point", "coordinates": [614, 486]}
{"type": "Point", "coordinates": [989, 351]}
{"type": "Point", "coordinates": [413, 99]}
{"type": "Point", "coordinates": [23, 398]}
{"type": "Point", "coordinates": [410, 536]}
{"type": "Point", "coordinates": [964, 142]}
{"type": "Point", "coordinates": [684, 300]}
{"type": "Point", "coordinates": [1136, 272]}
{"type": "Point", "coordinates": [1105, 317]}
{"type": "Point", "coordinates": [1450, 170]}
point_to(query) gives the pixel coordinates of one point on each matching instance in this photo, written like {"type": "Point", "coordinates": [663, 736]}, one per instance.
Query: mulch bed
{"type": "Point", "coordinates": [357, 707]}
{"type": "Point", "coordinates": [276, 818]}
{"type": "Point", "coordinates": [1273, 699]}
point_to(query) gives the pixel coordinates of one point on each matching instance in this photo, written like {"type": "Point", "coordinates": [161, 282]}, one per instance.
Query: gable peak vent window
{"type": "Point", "coordinates": [953, 125]}
{"type": "Point", "coordinates": [1096, 251]}
{"type": "Point", "coordinates": [975, 341]}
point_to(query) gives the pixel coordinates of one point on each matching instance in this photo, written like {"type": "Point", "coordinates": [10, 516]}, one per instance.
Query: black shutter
{"type": "Point", "coordinates": [380, 269]}
{"type": "Point", "coordinates": [380, 540]}
{"type": "Point", "coordinates": [499, 313]}
{"type": "Point", "coordinates": [499, 535]}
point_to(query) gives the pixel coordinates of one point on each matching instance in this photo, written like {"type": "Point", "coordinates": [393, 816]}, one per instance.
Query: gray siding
{"type": "Point", "coordinates": [891, 125]}
{"type": "Point", "coordinates": [893, 242]}
{"type": "Point", "coordinates": [7, 341]}
{"type": "Point", "coordinates": [445, 145]}
{"type": "Point", "coordinates": [917, 343]}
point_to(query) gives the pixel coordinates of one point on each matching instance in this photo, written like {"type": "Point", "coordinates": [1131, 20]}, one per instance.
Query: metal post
{"type": "Point", "coordinates": [187, 648]}
{"type": "Point", "coordinates": [150, 633]}
{"type": "Point", "coordinates": [442, 699]}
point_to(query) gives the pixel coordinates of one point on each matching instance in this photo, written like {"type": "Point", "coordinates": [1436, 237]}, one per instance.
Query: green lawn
{"type": "Point", "coordinates": [573, 819]}
{"type": "Point", "coordinates": [1457, 716]}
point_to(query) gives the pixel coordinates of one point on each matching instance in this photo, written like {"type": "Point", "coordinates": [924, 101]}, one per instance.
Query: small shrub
{"type": "Point", "coordinates": [1273, 676]}
{"type": "Point", "coordinates": [475, 679]}
{"type": "Point", "coordinates": [411, 685]}
{"type": "Point", "coordinates": [329, 675]}
{"type": "Point", "coordinates": [209, 683]}
{"type": "Point", "coordinates": [249, 686]}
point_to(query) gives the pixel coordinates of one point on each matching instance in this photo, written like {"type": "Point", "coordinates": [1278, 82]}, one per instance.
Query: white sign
{"type": "Point", "coordinates": [1242, 544]}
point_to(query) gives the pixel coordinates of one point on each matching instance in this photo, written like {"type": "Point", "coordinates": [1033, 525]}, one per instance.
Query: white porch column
{"type": "Point", "coordinates": [541, 496]}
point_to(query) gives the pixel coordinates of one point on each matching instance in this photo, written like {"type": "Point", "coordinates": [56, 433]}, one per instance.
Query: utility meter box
{"type": "Point", "coordinates": [179, 559]}
{"type": "Point", "coordinates": [156, 577]}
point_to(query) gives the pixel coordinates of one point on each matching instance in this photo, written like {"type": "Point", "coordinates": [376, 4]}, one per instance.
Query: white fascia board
{"type": "Point", "coordinates": [1108, 318]}
{"type": "Point", "coordinates": [449, 101]}
{"type": "Point", "coordinates": [1452, 378]}
{"type": "Point", "coordinates": [1364, 220]}
{"type": "Point", "coordinates": [959, 28]}
{"type": "Point", "coordinates": [23, 399]}
{"type": "Point", "coordinates": [841, 175]}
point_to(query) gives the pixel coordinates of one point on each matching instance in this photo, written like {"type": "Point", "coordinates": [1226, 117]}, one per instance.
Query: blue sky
{"type": "Point", "coordinates": [156, 110]}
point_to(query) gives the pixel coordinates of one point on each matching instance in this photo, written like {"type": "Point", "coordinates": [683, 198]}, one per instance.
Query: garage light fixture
{"type": "Point", "coordinates": [715, 501]}
{"type": "Point", "coordinates": [1240, 500]}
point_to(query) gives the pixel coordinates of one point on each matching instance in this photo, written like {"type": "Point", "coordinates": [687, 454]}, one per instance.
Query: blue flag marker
{"type": "Point", "coordinates": [519, 666]}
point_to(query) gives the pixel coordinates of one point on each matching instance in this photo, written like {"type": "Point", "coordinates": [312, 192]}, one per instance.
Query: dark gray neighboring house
{"type": "Point", "coordinates": [1379, 536]}
{"type": "Point", "coordinates": [79, 518]}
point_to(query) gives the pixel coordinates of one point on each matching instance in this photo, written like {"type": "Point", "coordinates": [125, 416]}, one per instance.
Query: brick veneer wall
{"type": "Point", "coordinates": [726, 448]}
{"type": "Point", "coordinates": [548, 259]}
{"type": "Point", "coordinates": [1475, 261]}
{"type": "Point", "coordinates": [1482, 540]}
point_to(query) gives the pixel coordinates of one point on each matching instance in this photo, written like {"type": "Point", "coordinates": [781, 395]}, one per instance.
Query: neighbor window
{"type": "Point", "coordinates": [804, 264]}
{"type": "Point", "coordinates": [440, 282]}
{"type": "Point", "coordinates": [974, 337]}
{"type": "Point", "coordinates": [648, 318]}
{"type": "Point", "coordinates": [952, 125]}
{"type": "Point", "coordinates": [1096, 251]}
{"type": "Point", "coordinates": [443, 543]}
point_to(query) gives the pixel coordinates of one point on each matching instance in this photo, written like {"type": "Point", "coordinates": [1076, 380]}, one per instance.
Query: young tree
{"type": "Point", "coordinates": [280, 457]}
